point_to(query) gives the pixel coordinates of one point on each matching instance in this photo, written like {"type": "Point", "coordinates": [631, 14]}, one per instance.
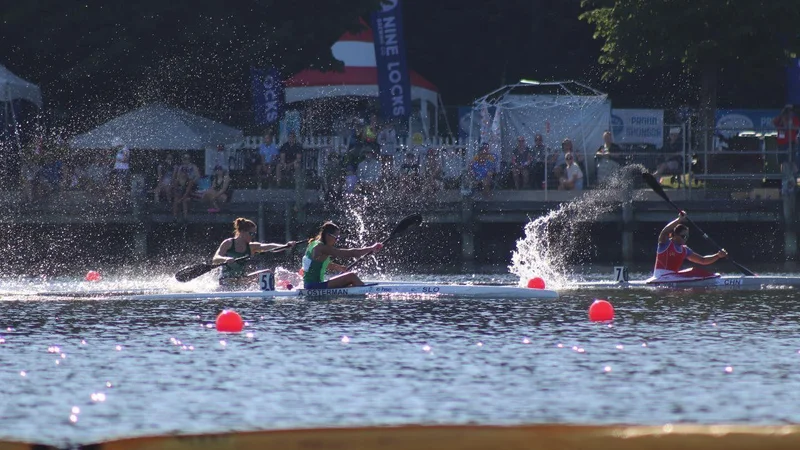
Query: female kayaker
{"type": "Point", "coordinates": [241, 244]}
{"type": "Point", "coordinates": [317, 260]}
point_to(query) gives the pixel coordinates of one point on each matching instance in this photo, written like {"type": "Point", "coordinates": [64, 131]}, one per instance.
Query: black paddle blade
{"type": "Point", "coordinates": [192, 272]}
{"type": "Point", "coordinates": [408, 222]}
{"type": "Point", "coordinates": [655, 185]}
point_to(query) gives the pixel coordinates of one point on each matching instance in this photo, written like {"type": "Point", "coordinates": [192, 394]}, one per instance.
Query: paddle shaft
{"type": "Point", "coordinates": [193, 272]}
{"type": "Point", "coordinates": [405, 224]}
{"type": "Point", "coordinates": [656, 186]}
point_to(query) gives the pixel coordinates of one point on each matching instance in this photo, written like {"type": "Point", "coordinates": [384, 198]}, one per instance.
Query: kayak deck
{"type": "Point", "coordinates": [722, 282]}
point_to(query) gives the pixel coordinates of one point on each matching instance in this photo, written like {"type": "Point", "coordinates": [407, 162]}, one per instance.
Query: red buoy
{"type": "Point", "coordinates": [601, 311]}
{"type": "Point", "coordinates": [536, 283]}
{"type": "Point", "coordinates": [93, 275]}
{"type": "Point", "coordinates": [229, 321]}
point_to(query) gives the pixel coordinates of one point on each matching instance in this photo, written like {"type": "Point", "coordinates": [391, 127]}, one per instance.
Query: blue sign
{"type": "Point", "coordinates": [268, 96]}
{"type": "Point", "coordinates": [793, 83]}
{"type": "Point", "coordinates": [394, 83]}
{"type": "Point", "coordinates": [731, 121]}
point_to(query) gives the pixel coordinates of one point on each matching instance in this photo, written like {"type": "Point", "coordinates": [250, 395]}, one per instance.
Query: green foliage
{"type": "Point", "coordinates": [196, 54]}
{"type": "Point", "coordinates": [637, 35]}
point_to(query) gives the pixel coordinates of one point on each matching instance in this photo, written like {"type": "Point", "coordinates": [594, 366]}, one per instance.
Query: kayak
{"type": "Point", "coordinates": [716, 282]}
{"type": "Point", "coordinates": [377, 289]}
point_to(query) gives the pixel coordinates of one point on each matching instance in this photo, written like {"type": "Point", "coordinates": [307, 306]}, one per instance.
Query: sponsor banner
{"type": "Point", "coordinates": [268, 96]}
{"type": "Point", "coordinates": [733, 121]}
{"type": "Point", "coordinates": [638, 126]}
{"type": "Point", "coordinates": [394, 83]}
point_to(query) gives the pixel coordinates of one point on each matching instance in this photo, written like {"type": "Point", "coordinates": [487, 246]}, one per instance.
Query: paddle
{"type": "Point", "coordinates": [656, 187]}
{"type": "Point", "coordinates": [191, 272]}
{"type": "Point", "coordinates": [405, 224]}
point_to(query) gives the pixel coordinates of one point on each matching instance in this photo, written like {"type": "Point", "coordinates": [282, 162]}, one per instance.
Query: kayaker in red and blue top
{"type": "Point", "coordinates": [672, 251]}
{"type": "Point", "coordinates": [242, 243]}
{"type": "Point", "coordinates": [317, 260]}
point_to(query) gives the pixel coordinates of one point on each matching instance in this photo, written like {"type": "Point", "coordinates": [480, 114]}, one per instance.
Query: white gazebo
{"type": "Point", "coordinates": [359, 79]}
{"type": "Point", "coordinates": [13, 88]}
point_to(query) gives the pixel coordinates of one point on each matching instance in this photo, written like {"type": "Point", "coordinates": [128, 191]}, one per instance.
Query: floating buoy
{"type": "Point", "coordinates": [229, 321]}
{"type": "Point", "coordinates": [536, 283]}
{"type": "Point", "coordinates": [601, 311]}
{"type": "Point", "coordinates": [93, 275]}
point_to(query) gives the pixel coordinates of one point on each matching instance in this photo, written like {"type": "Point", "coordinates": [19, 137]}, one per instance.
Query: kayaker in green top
{"type": "Point", "coordinates": [241, 244]}
{"type": "Point", "coordinates": [317, 260]}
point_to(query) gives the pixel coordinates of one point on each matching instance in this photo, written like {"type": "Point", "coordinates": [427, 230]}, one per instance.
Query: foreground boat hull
{"type": "Point", "coordinates": [724, 282]}
{"type": "Point", "coordinates": [383, 289]}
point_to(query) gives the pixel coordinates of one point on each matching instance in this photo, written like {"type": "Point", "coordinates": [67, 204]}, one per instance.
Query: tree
{"type": "Point", "coordinates": [703, 39]}
{"type": "Point", "coordinates": [98, 58]}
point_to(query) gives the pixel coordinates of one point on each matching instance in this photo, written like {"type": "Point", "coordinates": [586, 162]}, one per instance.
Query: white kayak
{"type": "Point", "coordinates": [716, 282]}
{"type": "Point", "coordinates": [379, 289]}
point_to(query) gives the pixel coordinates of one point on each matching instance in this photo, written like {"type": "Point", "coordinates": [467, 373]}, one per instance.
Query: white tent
{"type": "Point", "coordinates": [557, 110]}
{"type": "Point", "coordinates": [159, 127]}
{"type": "Point", "coordinates": [13, 87]}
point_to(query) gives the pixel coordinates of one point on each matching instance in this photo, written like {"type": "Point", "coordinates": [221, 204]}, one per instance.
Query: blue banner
{"type": "Point", "coordinates": [729, 122]}
{"type": "Point", "coordinates": [268, 96]}
{"type": "Point", "coordinates": [793, 83]}
{"type": "Point", "coordinates": [394, 83]}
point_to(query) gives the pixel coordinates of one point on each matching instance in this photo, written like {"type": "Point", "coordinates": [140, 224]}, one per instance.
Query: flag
{"type": "Point", "coordinates": [268, 96]}
{"type": "Point", "coordinates": [394, 82]}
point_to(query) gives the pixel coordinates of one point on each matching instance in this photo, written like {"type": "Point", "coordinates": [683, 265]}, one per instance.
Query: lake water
{"type": "Point", "coordinates": [77, 371]}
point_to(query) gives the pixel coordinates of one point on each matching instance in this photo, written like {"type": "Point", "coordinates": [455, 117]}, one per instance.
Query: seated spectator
{"type": "Point", "coordinates": [189, 168]}
{"type": "Point", "coordinates": [453, 166]}
{"type": "Point", "coordinates": [608, 157]}
{"type": "Point", "coordinates": [165, 173]}
{"type": "Point", "coordinates": [371, 134]}
{"type": "Point", "coordinates": [291, 155]}
{"type": "Point", "coordinates": [332, 177]}
{"type": "Point", "coordinates": [409, 173]}
{"type": "Point", "coordinates": [521, 164]}
{"type": "Point", "coordinates": [433, 178]}
{"type": "Point", "coordinates": [350, 180]}
{"type": "Point", "coordinates": [268, 157]}
{"type": "Point", "coordinates": [674, 155]}
{"type": "Point", "coordinates": [369, 172]}
{"type": "Point", "coordinates": [387, 139]}
{"type": "Point", "coordinates": [483, 168]}
{"type": "Point", "coordinates": [540, 154]}
{"type": "Point", "coordinates": [183, 190]}
{"type": "Point", "coordinates": [120, 181]}
{"type": "Point", "coordinates": [572, 179]}
{"type": "Point", "coordinates": [559, 160]}
{"type": "Point", "coordinates": [219, 191]}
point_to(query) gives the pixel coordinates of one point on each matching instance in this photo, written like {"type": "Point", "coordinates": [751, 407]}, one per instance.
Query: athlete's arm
{"type": "Point", "coordinates": [219, 256]}
{"type": "Point", "coordinates": [258, 247]}
{"type": "Point", "coordinates": [664, 235]}
{"type": "Point", "coordinates": [707, 259]}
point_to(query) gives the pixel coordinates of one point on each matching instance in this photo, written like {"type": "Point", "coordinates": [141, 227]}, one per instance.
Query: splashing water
{"type": "Point", "coordinates": [555, 240]}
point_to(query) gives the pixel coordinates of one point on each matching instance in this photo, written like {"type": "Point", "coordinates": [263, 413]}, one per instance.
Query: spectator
{"type": "Point", "coordinates": [369, 172]}
{"type": "Point", "coordinates": [540, 154]}
{"type": "Point", "coordinates": [183, 190]}
{"type": "Point", "coordinates": [608, 157]}
{"type": "Point", "coordinates": [409, 172]}
{"type": "Point", "coordinates": [189, 168]}
{"type": "Point", "coordinates": [572, 180]}
{"type": "Point", "coordinates": [787, 124]}
{"type": "Point", "coordinates": [120, 176]}
{"type": "Point", "coordinates": [350, 180]}
{"type": "Point", "coordinates": [483, 168]}
{"type": "Point", "coordinates": [387, 139]}
{"type": "Point", "coordinates": [165, 173]}
{"type": "Point", "coordinates": [521, 164]}
{"type": "Point", "coordinates": [433, 177]}
{"type": "Point", "coordinates": [333, 177]}
{"type": "Point", "coordinates": [291, 155]}
{"type": "Point", "coordinates": [268, 157]}
{"type": "Point", "coordinates": [560, 158]}
{"type": "Point", "coordinates": [219, 191]}
{"type": "Point", "coordinates": [674, 150]}
{"type": "Point", "coordinates": [453, 165]}
{"type": "Point", "coordinates": [371, 134]}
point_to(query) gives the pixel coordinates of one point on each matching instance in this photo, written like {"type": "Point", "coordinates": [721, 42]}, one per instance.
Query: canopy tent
{"type": "Point", "coordinates": [159, 127]}
{"type": "Point", "coordinates": [557, 110]}
{"type": "Point", "coordinates": [13, 87]}
{"type": "Point", "coordinates": [359, 78]}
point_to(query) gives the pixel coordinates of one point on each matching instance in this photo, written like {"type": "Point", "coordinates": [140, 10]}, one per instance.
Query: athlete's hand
{"type": "Point", "coordinates": [291, 244]}
{"type": "Point", "coordinates": [722, 254]}
{"type": "Point", "coordinates": [376, 247]}
{"type": "Point", "coordinates": [681, 214]}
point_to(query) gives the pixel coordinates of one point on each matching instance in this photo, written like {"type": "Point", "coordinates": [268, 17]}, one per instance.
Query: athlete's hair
{"type": "Point", "coordinates": [327, 228]}
{"type": "Point", "coordinates": [679, 229]}
{"type": "Point", "coordinates": [241, 225]}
